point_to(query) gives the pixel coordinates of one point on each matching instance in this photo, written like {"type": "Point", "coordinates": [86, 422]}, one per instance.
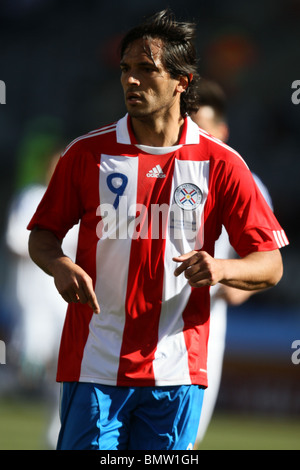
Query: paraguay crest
{"type": "Point", "coordinates": [188, 196]}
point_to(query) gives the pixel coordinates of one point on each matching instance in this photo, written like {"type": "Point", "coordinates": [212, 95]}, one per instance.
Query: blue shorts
{"type": "Point", "coordinates": [102, 417]}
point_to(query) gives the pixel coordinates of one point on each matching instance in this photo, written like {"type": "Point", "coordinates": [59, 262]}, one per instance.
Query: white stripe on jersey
{"type": "Point", "coordinates": [222, 144]}
{"type": "Point", "coordinates": [102, 350]}
{"type": "Point", "coordinates": [286, 242]}
{"type": "Point", "coordinates": [103, 130]}
{"type": "Point", "coordinates": [171, 341]}
{"type": "Point", "coordinates": [280, 238]}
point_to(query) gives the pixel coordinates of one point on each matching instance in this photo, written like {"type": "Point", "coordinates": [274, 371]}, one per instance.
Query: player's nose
{"type": "Point", "coordinates": [133, 79]}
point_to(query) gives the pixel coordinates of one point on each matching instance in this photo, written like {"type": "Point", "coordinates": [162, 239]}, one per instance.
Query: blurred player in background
{"type": "Point", "coordinates": [133, 351]}
{"type": "Point", "coordinates": [210, 113]}
{"type": "Point", "coordinates": [39, 313]}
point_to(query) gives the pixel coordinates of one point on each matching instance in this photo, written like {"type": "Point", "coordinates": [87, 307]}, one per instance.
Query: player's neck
{"type": "Point", "coordinates": [158, 132]}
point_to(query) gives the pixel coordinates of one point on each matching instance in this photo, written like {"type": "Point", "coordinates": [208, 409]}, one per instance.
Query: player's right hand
{"type": "Point", "coordinates": [74, 284]}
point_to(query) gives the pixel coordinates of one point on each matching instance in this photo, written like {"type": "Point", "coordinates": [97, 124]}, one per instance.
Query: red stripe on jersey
{"type": "Point", "coordinates": [76, 326]}
{"type": "Point", "coordinates": [146, 267]}
{"type": "Point", "coordinates": [196, 333]}
{"type": "Point", "coordinates": [79, 315]}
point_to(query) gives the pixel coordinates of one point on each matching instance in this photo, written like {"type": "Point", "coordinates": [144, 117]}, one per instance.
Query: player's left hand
{"type": "Point", "coordinates": [199, 268]}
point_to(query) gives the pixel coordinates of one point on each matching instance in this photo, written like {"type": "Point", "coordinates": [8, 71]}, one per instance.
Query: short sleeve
{"type": "Point", "coordinates": [247, 217]}
{"type": "Point", "coordinates": [61, 208]}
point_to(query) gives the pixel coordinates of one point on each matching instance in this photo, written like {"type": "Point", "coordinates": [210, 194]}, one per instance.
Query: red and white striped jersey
{"type": "Point", "coordinates": [139, 207]}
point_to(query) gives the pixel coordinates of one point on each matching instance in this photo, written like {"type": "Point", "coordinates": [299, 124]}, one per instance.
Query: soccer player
{"type": "Point", "coordinates": [151, 192]}
{"type": "Point", "coordinates": [209, 111]}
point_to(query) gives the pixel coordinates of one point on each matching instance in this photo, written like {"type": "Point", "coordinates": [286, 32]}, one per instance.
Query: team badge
{"type": "Point", "coordinates": [188, 196]}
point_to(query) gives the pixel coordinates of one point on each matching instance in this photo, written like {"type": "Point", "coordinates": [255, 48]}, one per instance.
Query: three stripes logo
{"type": "Point", "coordinates": [156, 172]}
{"type": "Point", "coordinates": [280, 238]}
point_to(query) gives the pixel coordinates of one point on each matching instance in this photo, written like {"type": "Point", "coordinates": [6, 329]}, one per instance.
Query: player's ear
{"type": "Point", "coordinates": [183, 82]}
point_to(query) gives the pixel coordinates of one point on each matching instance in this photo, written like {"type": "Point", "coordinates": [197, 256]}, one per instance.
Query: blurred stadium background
{"type": "Point", "coordinates": [59, 62]}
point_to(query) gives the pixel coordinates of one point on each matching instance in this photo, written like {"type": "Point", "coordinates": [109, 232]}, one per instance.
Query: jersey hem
{"type": "Point", "coordinates": [200, 380]}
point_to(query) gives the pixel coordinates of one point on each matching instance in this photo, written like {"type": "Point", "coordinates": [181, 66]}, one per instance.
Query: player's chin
{"type": "Point", "coordinates": [136, 110]}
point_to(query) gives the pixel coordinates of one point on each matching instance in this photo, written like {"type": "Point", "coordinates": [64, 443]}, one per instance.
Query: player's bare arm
{"type": "Point", "coordinates": [256, 271]}
{"type": "Point", "coordinates": [71, 281]}
{"type": "Point", "coordinates": [233, 296]}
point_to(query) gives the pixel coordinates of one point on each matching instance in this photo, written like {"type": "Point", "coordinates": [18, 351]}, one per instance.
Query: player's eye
{"type": "Point", "coordinates": [149, 68]}
{"type": "Point", "coordinates": [124, 68]}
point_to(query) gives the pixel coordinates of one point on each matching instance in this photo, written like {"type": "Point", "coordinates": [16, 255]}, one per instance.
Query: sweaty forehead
{"type": "Point", "coordinates": [144, 48]}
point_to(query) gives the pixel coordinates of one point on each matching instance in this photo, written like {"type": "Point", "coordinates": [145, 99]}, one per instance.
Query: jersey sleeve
{"type": "Point", "coordinates": [247, 217]}
{"type": "Point", "coordinates": [61, 207]}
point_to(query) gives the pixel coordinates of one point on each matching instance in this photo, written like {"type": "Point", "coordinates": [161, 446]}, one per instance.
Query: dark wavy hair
{"type": "Point", "coordinates": [179, 52]}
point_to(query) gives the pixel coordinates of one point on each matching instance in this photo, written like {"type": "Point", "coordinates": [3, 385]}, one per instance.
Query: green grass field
{"type": "Point", "coordinates": [23, 427]}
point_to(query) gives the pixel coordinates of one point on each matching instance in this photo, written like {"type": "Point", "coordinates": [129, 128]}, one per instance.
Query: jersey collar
{"type": "Point", "coordinates": [190, 135]}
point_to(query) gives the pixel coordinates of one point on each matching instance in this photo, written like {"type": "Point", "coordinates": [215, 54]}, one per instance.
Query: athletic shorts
{"type": "Point", "coordinates": [102, 417]}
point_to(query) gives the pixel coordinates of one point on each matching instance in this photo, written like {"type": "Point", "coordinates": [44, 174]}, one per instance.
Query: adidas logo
{"type": "Point", "coordinates": [156, 172]}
